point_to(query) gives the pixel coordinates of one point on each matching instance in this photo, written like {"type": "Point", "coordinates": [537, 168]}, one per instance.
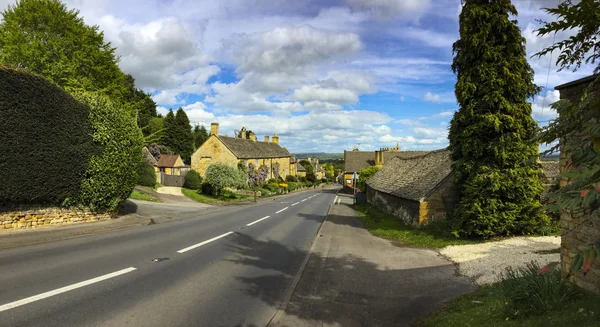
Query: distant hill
{"type": "Point", "coordinates": [320, 155]}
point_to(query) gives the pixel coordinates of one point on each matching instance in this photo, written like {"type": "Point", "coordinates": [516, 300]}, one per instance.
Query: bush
{"type": "Point", "coordinates": [46, 140]}
{"type": "Point", "coordinates": [206, 188]}
{"type": "Point", "coordinates": [527, 293]}
{"type": "Point", "coordinates": [193, 180]}
{"type": "Point", "coordinates": [272, 187]}
{"type": "Point", "coordinates": [364, 175]}
{"type": "Point", "coordinates": [311, 177]}
{"type": "Point", "coordinates": [146, 174]}
{"type": "Point", "coordinates": [302, 179]}
{"type": "Point", "coordinates": [272, 181]}
{"type": "Point", "coordinates": [220, 176]}
{"type": "Point", "coordinates": [291, 178]}
{"type": "Point", "coordinates": [112, 174]}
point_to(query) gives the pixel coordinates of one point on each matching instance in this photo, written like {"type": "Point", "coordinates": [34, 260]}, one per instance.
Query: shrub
{"type": "Point", "coordinates": [364, 175]}
{"type": "Point", "coordinates": [112, 174]}
{"type": "Point", "coordinates": [146, 174]}
{"type": "Point", "coordinates": [193, 180]}
{"type": "Point", "coordinates": [527, 293]}
{"type": "Point", "coordinates": [206, 188]}
{"type": "Point", "coordinates": [46, 140]}
{"type": "Point", "coordinates": [220, 176]}
{"type": "Point", "coordinates": [302, 179]}
{"type": "Point", "coordinates": [272, 187]}
{"type": "Point", "coordinates": [311, 177]}
{"type": "Point", "coordinates": [291, 178]}
{"type": "Point", "coordinates": [272, 181]}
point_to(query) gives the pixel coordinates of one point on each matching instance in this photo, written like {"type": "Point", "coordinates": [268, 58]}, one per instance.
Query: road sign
{"type": "Point", "coordinates": [355, 176]}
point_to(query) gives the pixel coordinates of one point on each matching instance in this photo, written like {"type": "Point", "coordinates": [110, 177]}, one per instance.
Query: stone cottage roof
{"type": "Point", "coordinates": [299, 167]}
{"type": "Point", "coordinates": [148, 157]}
{"type": "Point", "coordinates": [414, 177]}
{"type": "Point", "coordinates": [355, 161]}
{"type": "Point", "coordinates": [248, 149]}
{"type": "Point", "coordinates": [167, 160]}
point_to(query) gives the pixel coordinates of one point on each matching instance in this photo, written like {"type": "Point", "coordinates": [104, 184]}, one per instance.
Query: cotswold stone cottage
{"type": "Point", "coordinates": [417, 189]}
{"type": "Point", "coordinates": [231, 151]}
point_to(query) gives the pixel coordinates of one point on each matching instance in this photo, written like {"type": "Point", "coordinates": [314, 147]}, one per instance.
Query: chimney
{"type": "Point", "coordinates": [309, 160]}
{"type": "Point", "coordinates": [275, 138]}
{"type": "Point", "coordinates": [266, 139]}
{"type": "Point", "coordinates": [253, 137]}
{"type": "Point", "coordinates": [377, 158]}
{"type": "Point", "coordinates": [244, 133]}
{"type": "Point", "coordinates": [214, 129]}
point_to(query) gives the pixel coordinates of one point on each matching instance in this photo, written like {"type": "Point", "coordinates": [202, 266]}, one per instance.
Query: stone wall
{"type": "Point", "coordinates": [579, 229]}
{"type": "Point", "coordinates": [439, 202]}
{"type": "Point", "coordinates": [210, 152]}
{"type": "Point", "coordinates": [404, 209]}
{"type": "Point", "coordinates": [27, 217]}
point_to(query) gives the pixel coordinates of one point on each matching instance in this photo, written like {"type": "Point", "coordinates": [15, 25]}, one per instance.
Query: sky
{"type": "Point", "coordinates": [325, 75]}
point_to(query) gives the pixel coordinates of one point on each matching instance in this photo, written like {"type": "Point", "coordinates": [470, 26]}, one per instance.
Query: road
{"type": "Point", "coordinates": [226, 268]}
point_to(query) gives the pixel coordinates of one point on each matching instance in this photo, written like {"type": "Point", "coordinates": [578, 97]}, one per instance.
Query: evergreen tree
{"type": "Point", "coordinates": [200, 135]}
{"type": "Point", "coordinates": [184, 136]}
{"type": "Point", "coordinates": [169, 131]}
{"type": "Point", "coordinates": [492, 136]}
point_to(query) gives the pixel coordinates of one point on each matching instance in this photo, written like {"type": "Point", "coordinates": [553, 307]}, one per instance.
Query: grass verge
{"type": "Point", "coordinates": [434, 235]}
{"type": "Point", "coordinates": [211, 199]}
{"type": "Point", "coordinates": [136, 195]}
{"type": "Point", "coordinates": [485, 308]}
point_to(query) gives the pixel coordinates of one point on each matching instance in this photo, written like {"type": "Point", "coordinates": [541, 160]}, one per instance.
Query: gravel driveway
{"type": "Point", "coordinates": [484, 262]}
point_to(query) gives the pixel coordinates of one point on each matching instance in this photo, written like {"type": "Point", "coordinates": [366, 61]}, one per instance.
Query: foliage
{"type": "Point", "coordinates": [112, 174]}
{"type": "Point", "coordinates": [273, 181]}
{"type": "Point", "coordinates": [206, 188]}
{"type": "Point", "coordinates": [433, 235]}
{"type": "Point", "coordinates": [193, 180]}
{"type": "Point", "coordinates": [525, 292]}
{"type": "Point", "coordinates": [584, 259]}
{"type": "Point", "coordinates": [302, 179]}
{"type": "Point", "coordinates": [220, 176]}
{"type": "Point", "coordinates": [46, 140]}
{"type": "Point", "coordinates": [307, 165]}
{"type": "Point", "coordinates": [169, 131]}
{"type": "Point", "coordinates": [275, 169]}
{"type": "Point", "coordinates": [583, 17]}
{"type": "Point", "coordinates": [156, 150]}
{"type": "Point", "coordinates": [311, 177]}
{"type": "Point", "coordinates": [256, 177]}
{"type": "Point", "coordinates": [47, 38]}
{"type": "Point", "coordinates": [153, 132]}
{"type": "Point", "coordinates": [200, 135]}
{"type": "Point", "coordinates": [142, 196]}
{"type": "Point", "coordinates": [492, 136]}
{"type": "Point", "coordinates": [329, 170]}
{"type": "Point", "coordinates": [291, 178]}
{"type": "Point", "coordinates": [178, 134]}
{"type": "Point", "coordinates": [146, 174]}
{"type": "Point", "coordinates": [365, 175]}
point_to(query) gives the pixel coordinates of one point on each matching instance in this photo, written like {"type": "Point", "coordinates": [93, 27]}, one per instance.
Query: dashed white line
{"type": "Point", "coordinates": [304, 200]}
{"type": "Point", "coordinates": [282, 210]}
{"type": "Point", "coordinates": [261, 219]}
{"type": "Point", "coordinates": [64, 289]}
{"type": "Point", "coordinates": [203, 243]}
{"type": "Point", "coordinates": [293, 204]}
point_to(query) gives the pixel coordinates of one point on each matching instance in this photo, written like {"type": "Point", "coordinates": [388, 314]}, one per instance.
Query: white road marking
{"type": "Point", "coordinates": [281, 210]}
{"type": "Point", "coordinates": [339, 201]}
{"type": "Point", "coordinates": [304, 200]}
{"type": "Point", "coordinates": [261, 219]}
{"type": "Point", "coordinates": [203, 243]}
{"type": "Point", "coordinates": [64, 289]}
{"type": "Point", "coordinates": [335, 200]}
{"type": "Point", "coordinates": [293, 204]}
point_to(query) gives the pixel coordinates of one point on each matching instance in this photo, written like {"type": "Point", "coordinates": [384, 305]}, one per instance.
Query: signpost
{"type": "Point", "coordinates": [354, 181]}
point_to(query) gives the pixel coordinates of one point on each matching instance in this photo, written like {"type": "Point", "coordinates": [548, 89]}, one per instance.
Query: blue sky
{"type": "Point", "coordinates": [325, 75]}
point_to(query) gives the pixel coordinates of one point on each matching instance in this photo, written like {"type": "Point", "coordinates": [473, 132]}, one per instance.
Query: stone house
{"type": "Point", "coordinates": [417, 189]}
{"type": "Point", "coordinates": [232, 151]}
{"type": "Point", "coordinates": [355, 161]}
{"type": "Point", "coordinates": [170, 164]}
{"type": "Point", "coordinates": [300, 170]}
{"type": "Point", "coordinates": [578, 228]}
{"type": "Point", "coordinates": [317, 168]}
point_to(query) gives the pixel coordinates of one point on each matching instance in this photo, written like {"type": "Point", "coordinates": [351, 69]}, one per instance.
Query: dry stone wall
{"type": "Point", "coordinates": [27, 217]}
{"type": "Point", "coordinates": [579, 229]}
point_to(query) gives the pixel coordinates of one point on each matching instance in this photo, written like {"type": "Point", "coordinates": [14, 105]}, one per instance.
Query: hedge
{"type": "Point", "coordinates": [46, 140]}
{"type": "Point", "coordinates": [193, 180]}
{"type": "Point", "coordinates": [146, 174]}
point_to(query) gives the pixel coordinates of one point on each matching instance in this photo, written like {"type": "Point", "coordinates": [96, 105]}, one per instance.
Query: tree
{"type": "Point", "coordinates": [154, 131]}
{"type": "Point", "coordinates": [307, 165]}
{"type": "Point", "coordinates": [582, 17]}
{"type": "Point", "coordinates": [45, 37]}
{"type": "Point", "coordinates": [169, 131]}
{"type": "Point", "coordinates": [364, 176]}
{"type": "Point", "coordinates": [200, 135]}
{"type": "Point", "coordinates": [184, 136]}
{"type": "Point", "coordinates": [329, 171]}
{"type": "Point", "coordinates": [492, 136]}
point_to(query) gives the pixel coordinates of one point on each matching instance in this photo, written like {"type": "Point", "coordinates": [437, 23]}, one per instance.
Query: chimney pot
{"type": "Point", "coordinates": [253, 137]}
{"type": "Point", "coordinates": [266, 138]}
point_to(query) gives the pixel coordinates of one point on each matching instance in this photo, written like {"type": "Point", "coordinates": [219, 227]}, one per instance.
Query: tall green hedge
{"type": "Point", "coordinates": [46, 140]}
{"type": "Point", "coordinates": [112, 174]}
{"type": "Point", "coordinates": [146, 174]}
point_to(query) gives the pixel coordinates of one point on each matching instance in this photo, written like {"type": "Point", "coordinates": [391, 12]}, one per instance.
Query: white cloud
{"type": "Point", "coordinates": [540, 107]}
{"type": "Point", "coordinates": [430, 38]}
{"type": "Point", "coordinates": [430, 97]}
{"type": "Point", "coordinates": [332, 95]}
{"type": "Point", "coordinates": [387, 9]}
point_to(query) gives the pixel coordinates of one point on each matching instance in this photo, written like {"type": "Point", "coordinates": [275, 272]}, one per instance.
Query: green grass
{"type": "Point", "coordinates": [434, 235]}
{"type": "Point", "coordinates": [211, 199]}
{"type": "Point", "coordinates": [484, 308]}
{"type": "Point", "coordinates": [136, 195]}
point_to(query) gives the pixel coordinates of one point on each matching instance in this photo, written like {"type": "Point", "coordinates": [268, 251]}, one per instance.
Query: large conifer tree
{"type": "Point", "coordinates": [492, 134]}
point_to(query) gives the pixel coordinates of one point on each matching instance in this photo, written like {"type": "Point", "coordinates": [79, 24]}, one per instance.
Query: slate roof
{"type": "Point", "coordinates": [248, 149]}
{"type": "Point", "coordinates": [412, 178]}
{"type": "Point", "coordinates": [299, 167]}
{"type": "Point", "coordinates": [355, 161]}
{"type": "Point", "coordinates": [167, 160]}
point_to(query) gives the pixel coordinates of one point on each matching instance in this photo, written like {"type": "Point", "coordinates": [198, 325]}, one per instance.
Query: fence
{"type": "Point", "coordinates": [171, 180]}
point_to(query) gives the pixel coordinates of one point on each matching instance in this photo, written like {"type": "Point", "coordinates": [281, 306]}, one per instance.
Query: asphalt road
{"type": "Point", "coordinates": [212, 270]}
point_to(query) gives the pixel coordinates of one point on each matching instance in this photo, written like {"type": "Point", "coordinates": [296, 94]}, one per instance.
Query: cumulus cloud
{"type": "Point", "coordinates": [387, 9]}
{"type": "Point", "coordinates": [324, 94]}
{"type": "Point", "coordinates": [430, 97]}
{"type": "Point", "coordinates": [540, 106]}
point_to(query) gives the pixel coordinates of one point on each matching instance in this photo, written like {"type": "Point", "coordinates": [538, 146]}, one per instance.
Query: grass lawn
{"type": "Point", "coordinates": [203, 198]}
{"type": "Point", "coordinates": [484, 308]}
{"type": "Point", "coordinates": [142, 196]}
{"type": "Point", "coordinates": [380, 224]}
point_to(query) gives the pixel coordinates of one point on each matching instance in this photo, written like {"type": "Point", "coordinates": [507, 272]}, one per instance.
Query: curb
{"type": "Point", "coordinates": [288, 296]}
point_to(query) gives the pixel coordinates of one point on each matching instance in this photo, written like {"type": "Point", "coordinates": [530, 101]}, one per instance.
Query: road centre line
{"type": "Point", "coordinates": [303, 200]}
{"type": "Point", "coordinates": [203, 243]}
{"type": "Point", "coordinates": [261, 219]}
{"type": "Point", "coordinates": [64, 289]}
{"type": "Point", "coordinates": [293, 204]}
{"type": "Point", "coordinates": [282, 210]}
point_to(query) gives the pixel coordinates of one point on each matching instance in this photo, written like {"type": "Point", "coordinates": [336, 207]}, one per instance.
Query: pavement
{"type": "Point", "coordinates": [355, 279]}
